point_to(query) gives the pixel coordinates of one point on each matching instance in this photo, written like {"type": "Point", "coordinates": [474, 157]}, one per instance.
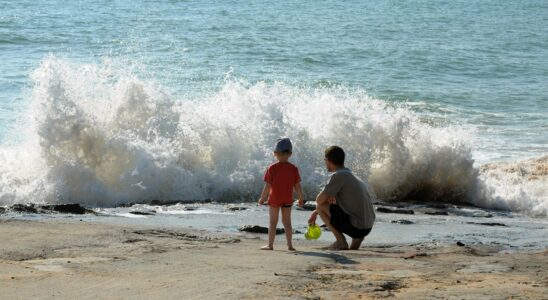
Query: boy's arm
{"type": "Point", "coordinates": [299, 191]}
{"type": "Point", "coordinates": [264, 194]}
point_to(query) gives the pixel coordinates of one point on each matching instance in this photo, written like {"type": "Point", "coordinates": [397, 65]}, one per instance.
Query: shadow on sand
{"type": "Point", "coordinates": [338, 258]}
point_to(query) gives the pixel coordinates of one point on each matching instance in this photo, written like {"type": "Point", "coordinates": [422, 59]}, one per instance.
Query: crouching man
{"type": "Point", "coordinates": [344, 204]}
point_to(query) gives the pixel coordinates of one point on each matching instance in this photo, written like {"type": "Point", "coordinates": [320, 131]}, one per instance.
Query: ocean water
{"type": "Point", "coordinates": [107, 102]}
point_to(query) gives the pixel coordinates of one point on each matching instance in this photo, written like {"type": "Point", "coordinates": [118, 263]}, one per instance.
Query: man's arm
{"type": "Point", "coordinates": [264, 194]}
{"type": "Point", "coordinates": [321, 199]}
{"type": "Point", "coordinates": [324, 198]}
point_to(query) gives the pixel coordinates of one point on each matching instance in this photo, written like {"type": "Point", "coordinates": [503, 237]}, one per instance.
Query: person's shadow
{"type": "Point", "coordinates": [338, 258]}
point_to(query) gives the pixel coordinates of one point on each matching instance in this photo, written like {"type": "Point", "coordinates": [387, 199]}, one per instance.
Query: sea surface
{"type": "Point", "coordinates": [109, 102]}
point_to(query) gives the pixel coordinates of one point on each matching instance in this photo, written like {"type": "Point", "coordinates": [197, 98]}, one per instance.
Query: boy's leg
{"type": "Point", "coordinates": [273, 223]}
{"type": "Point", "coordinates": [286, 220]}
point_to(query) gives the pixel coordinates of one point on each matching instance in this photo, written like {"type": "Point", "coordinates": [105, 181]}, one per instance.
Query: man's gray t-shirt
{"type": "Point", "coordinates": [352, 197]}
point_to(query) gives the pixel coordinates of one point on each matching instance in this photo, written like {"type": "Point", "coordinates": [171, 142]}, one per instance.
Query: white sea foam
{"type": "Point", "coordinates": [516, 186]}
{"type": "Point", "coordinates": [100, 136]}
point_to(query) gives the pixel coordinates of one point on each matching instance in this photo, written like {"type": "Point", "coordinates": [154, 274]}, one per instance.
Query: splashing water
{"type": "Point", "coordinates": [100, 136]}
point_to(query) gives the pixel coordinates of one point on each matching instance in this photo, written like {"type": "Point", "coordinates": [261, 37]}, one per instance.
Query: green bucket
{"type": "Point", "coordinates": [313, 232]}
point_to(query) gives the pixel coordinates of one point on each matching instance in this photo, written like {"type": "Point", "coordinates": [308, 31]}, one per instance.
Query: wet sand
{"type": "Point", "coordinates": [86, 260]}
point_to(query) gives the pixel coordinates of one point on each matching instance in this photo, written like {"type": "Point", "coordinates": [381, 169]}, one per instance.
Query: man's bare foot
{"type": "Point", "coordinates": [336, 246]}
{"type": "Point", "coordinates": [267, 247]}
{"type": "Point", "coordinates": [290, 248]}
{"type": "Point", "coordinates": [355, 245]}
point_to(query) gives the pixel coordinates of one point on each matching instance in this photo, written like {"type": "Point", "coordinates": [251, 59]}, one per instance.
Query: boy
{"type": "Point", "coordinates": [281, 179]}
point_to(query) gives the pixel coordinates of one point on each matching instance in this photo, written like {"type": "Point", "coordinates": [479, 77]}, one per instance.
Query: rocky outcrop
{"type": "Point", "coordinates": [487, 224]}
{"type": "Point", "coordinates": [404, 222]}
{"type": "Point", "coordinates": [65, 208]}
{"type": "Point", "coordinates": [142, 213]}
{"type": "Point", "coordinates": [259, 229]}
{"type": "Point", "coordinates": [76, 209]}
{"type": "Point", "coordinates": [24, 208]}
{"type": "Point", "coordinates": [395, 211]}
{"type": "Point", "coordinates": [434, 212]}
{"type": "Point", "coordinates": [235, 208]}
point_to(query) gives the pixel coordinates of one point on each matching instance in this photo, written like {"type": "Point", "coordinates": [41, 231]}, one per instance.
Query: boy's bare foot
{"type": "Point", "coordinates": [290, 248]}
{"type": "Point", "coordinates": [267, 247]}
{"type": "Point", "coordinates": [336, 246]}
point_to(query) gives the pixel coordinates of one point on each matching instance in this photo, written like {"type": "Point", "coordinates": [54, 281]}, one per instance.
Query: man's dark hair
{"type": "Point", "coordinates": [335, 154]}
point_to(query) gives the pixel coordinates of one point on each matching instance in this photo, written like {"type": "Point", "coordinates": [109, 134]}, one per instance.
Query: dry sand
{"type": "Point", "coordinates": [80, 260]}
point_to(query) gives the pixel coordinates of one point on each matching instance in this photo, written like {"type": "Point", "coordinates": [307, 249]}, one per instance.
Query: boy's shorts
{"type": "Point", "coordinates": [290, 204]}
{"type": "Point", "coordinates": [341, 221]}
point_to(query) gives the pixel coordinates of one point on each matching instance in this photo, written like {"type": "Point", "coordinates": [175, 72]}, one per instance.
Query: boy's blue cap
{"type": "Point", "coordinates": [283, 145]}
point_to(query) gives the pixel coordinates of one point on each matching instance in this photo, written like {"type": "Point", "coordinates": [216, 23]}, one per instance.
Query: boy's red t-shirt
{"type": "Point", "coordinates": [282, 177]}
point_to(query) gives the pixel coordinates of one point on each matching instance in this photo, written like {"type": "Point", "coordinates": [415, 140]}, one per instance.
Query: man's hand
{"type": "Point", "coordinates": [301, 202]}
{"type": "Point", "coordinates": [312, 219]}
{"type": "Point", "coordinates": [261, 201]}
{"type": "Point", "coordinates": [332, 200]}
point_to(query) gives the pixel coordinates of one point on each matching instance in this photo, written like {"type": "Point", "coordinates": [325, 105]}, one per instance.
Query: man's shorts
{"type": "Point", "coordinates": [341, 221]}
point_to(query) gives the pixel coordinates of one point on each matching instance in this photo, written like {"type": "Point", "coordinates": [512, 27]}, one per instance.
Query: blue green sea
{"type": "Point", "coordinates": [108, 102]}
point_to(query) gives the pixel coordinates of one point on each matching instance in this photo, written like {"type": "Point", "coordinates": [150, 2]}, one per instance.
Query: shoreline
{"type": "Point", "coordinates": [68, 259]}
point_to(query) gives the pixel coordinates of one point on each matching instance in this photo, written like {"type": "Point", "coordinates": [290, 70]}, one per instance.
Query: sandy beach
{"type": "Point", "coordinates": [87, 260]}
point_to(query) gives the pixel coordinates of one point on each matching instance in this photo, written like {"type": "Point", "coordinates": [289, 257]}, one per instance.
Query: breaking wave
{"type": "Point", "coordinates": [100, 136]}
{"type": "Point", "coordinates": [516, 186]}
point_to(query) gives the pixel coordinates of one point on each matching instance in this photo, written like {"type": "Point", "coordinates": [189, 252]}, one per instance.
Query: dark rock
{"type": "Point", "coordinates": [142, 213]}
{"type": "Point", "coordinates": [324, 227]}
{"type": "Point", "coordinates": [412, 256]}
{"type": "Point", "coordinates": [45, 209]}
{"type": "Point", "coordinates": [487, 224]}
{"type": "Point", "coordinates": [308, 206]}
{"type": "Point", "coordinates": [64, 208]}
{"type": "Point", "coordinates": [236, 208]}
{"type": "Point", "coordinates": [134, 241]}
{"type": "Point", "coordinates": [259, 229]}
{"type": "Point", "coordinates": [23, 208]}
{"type": "Point", "coordinates": [438, 205]}
{"type": "Point", "coordinates": [2, 210]}
{"type": "Point", "coordinates": [395, 211]}
{"type": "Point", "coordinates": [69, 209]}
{"type": "Point", "coordinates": [384, 209]}
{"type": "Point", "coordinates": [460, 244]}
{"type": "Point", "coordinates": [169, 203]}
{"type": "Point", "coordinates": [436, 212]}
{"type": "Point", "coordinates": [390, 285]}
{"type": "Point", "coordinates": [405, 222]}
